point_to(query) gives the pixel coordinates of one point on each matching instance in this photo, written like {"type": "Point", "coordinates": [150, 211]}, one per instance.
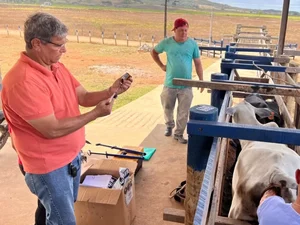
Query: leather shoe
{"type": "Point", "coordinates": [168, 131]}
{"type": "Point", "coordinates": [180, 138]}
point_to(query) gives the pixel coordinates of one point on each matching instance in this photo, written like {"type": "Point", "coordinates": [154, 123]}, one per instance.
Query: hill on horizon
{"type": "Point", "coordinates": [250, 6]}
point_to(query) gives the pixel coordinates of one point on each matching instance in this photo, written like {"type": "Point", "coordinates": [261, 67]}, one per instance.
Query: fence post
{"type": "Point", "coordinates": [7, 30]}
{"type": "Point", "coordinates": [222, 43]}
{"type": "Point", "coordinates": [20, 31]}
{"type": "Point", "coordinates": [214, 45]}
{"type": "Point", "coordinates": [127, 39]}
{"type": "Point", "coordinates": [115, 37]}
{"type": "Point", "coordinates": [140, 39]}
{"type": "Point", "coordinates": [76, 33]}
{"type": "Point", "coordinates": [90, 36]}
{"type": "Point", "coordinates": [152, 41]}
{"type": "Point", "coordinates": [102, 36]}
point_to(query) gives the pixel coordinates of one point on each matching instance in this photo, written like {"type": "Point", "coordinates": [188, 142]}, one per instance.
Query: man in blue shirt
{"type": "Point", "coordinates": [181, 52]}
{"type": "Point", "coordinates": [273, 210]}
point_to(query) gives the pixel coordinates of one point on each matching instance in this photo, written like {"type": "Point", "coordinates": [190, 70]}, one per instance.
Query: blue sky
{"type": "Point", "coordinates": [261, 4]}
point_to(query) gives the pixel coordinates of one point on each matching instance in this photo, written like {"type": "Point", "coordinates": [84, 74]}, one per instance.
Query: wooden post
{"type": "Point", "coordinates": [222, 43]}
{"type": "Point", "coordinates": [76, 33]}
{"type": "Point", "coordinates": [7, 31]}
{"type": "Point", "coordinates": [297, 105]}
{"type": "Point", "coordinates": [90, 36]}
{"type": "Point", "coordinates": [102, 36]}
{"type": "Point", "coordinates": [115, 37]}
{"type": "Point", "coordinates": [290, 101]}
{"type": "Point", "coordinates": [152, 41]}
{"type": "Point", "coordinates": [283, 26]}
{"type": "Point", "coordinates": [140, 39]}
{"type": "Point", "coordinates": [20, 31]}
{"type": "Point", "coordinates": [127, 39]}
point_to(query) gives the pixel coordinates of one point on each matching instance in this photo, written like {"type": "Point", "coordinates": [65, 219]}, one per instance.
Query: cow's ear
{"type": "Point", "coordinates": [264, 113]}
{"type": "Point", "coordinates": [231, 111]}
{"type": "Point", "coordinates": [298, 176]}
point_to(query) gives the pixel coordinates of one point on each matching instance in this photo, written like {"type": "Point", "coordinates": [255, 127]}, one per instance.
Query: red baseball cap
{"type": "Point", "coordinates": [180, 22]}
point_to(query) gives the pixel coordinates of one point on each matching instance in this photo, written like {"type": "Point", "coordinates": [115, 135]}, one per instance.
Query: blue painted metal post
{"type": "Point", "coordinates": [217, 96]}
{"type": "Point", "coordinates": [224, 69]}
{"type": "Point", "coordinates": [197, 157]}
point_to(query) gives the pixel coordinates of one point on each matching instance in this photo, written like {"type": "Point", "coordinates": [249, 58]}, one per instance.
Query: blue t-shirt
{"type": "Point", "coordinates": [274, 211]}
{"type": "Point", "coordinates": [180, 56]}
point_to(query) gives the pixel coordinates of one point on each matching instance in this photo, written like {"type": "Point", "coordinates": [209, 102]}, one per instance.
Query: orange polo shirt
{"type": "Point", "coordinates": [30, 91]}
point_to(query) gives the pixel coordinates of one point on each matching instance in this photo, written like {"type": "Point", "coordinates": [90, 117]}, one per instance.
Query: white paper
{"type": "Point", "coordinates": [101, 181]}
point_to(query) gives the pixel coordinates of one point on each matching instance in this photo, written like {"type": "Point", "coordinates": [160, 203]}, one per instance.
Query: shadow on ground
{"type": "Point", "coordinates": [158, 177]}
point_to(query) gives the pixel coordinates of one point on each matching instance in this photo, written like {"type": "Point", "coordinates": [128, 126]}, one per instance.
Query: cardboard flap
{"type": "Point", "coordinates": [108, 166]}
{"type": "Point", "coordinates": [98, 195]}
{"type": "Point", "coordinates": [85, 168]}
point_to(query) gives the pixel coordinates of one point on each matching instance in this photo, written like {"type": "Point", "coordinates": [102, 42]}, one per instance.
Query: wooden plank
{"type": "Point", "coordinates": [254, 88]}
{"type": "Point", "coordinates": [255, 27]}
{"type": "Point", "coordinates": [255, 45]}
{"type": "Point", "coordinates": [249, 32]}
{"type": "Point", "coordinates": [266, 38]}
{"type": "Point", "coordinates": [285, 113]}
{"type": "Point", "coordinates": [253, 37]}
{"type": "Point", "coordinates": [290, 101]}
{"type": "Point", "coordinates": [218, 186]}
{"type": "Point", "coordinates": [291, 52]}
{"type": "Point", "coordinates": [297, 123]}
{"type": "Point", "coordinates": [270, 68]}
{"type": "Point", "coordinates": [228, 221]}
{"type": "Point", "coordinates": [292, 70]}
{"type": "Point", "coordinates": [291, 81]}
{"type": "Point", "coordinates": [174, 215]}
{"type": "Point", "coordinates": [244, 95]}
{"type": "Point", "coordinates": [281, 60]}
{"type": "Point", "coordinates": [253, 79]}
{"type": "Point", "coordinates": [245, 132]}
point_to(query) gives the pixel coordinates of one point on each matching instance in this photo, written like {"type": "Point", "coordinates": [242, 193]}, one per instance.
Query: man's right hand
{"type": "Point", "coordinates": [104, 108]}
{"type": "Point", "coordinates": [164, 68]}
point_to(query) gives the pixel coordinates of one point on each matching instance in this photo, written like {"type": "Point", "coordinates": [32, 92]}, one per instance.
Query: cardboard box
{"type": "Point", "coordinates": [103, 206]}
{"type": "Point", "coordinates": [138, 161]}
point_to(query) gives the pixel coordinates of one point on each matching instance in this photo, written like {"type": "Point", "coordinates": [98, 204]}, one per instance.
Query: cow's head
{"type": "Point", "coordinates": [244, 113]}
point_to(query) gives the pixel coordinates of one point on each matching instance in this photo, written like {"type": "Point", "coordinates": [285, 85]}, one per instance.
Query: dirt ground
{"type": "Point", "coordinates": [96, 62]}
{"type": "Point", "coordinates": [146, 24]}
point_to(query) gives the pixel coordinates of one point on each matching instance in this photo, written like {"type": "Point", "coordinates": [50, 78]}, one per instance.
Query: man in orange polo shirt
{"type": "Point", "coordinates": [41, 101]}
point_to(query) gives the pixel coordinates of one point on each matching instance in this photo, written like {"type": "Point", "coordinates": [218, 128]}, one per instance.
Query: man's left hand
{"type": "Point", "coordinates": [120, 85]}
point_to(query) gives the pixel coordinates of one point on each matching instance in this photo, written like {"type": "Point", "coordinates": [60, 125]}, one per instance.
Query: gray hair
{"type": "Point", "coordinates": [43, 26]}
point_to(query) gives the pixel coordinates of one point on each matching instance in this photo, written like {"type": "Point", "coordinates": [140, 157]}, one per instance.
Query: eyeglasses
{"type": "Point", "coordinates": [55, 44]}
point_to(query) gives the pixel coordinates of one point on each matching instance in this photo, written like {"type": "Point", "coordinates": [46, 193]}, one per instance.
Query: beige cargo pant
{"type": "Point", "coordinates": [168, 100]}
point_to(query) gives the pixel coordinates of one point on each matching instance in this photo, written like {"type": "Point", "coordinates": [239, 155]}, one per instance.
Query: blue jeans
{"type": "Point", "coordinates": [57, 191]}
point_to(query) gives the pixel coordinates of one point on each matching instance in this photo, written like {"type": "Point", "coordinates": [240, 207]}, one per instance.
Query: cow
{"type": "Point", "coordinates": [259, 165]}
